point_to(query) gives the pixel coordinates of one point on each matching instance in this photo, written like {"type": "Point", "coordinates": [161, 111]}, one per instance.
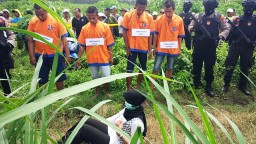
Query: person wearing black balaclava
{"type": "Point", "coordinates": [186, 16]}
{"type": "Point", "coordinates": [240, 47]}
{"type": "Point", "coordinates": [209, 28]}
{"type": "Point", "coordinates": [129, 119]}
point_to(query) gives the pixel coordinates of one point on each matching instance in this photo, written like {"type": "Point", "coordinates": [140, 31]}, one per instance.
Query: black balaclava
{"type": "Point", "coordinates": [187, 6]}
{"type": "Point", "coordinates": [249, 7]}
{"type": "Point", "coordinates": [209, 6]}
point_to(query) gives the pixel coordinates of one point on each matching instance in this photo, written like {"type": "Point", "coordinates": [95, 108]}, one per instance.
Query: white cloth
{"type": "Point", "coordinates": [128, 126]}
{"type": "Point", "coordinates": [120, 19]}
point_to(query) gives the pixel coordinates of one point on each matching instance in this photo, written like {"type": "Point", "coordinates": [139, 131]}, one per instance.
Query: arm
{"type": "Point", "coordinates": [192, 24]}
{"type": "Point", "coordinates": [10, 37]}
{"type": "Point", "coordinates": [110, 54]}
{"type": "Point", "coordinates": [225, 28]}
{"type": "Point", "coordinates": [80, 53]}
{"type": "Point", "coordinates": [65, 47]}
{"type": "Point", "coordinates": [31, 51]}
{"type": "Point", "coordinates": [125, 36]}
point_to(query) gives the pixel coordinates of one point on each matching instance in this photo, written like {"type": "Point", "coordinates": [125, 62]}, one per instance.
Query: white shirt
{"type": "Point", "coordinates": [129, 127]}
{"type": "Point", "coordinates": [120, 19]}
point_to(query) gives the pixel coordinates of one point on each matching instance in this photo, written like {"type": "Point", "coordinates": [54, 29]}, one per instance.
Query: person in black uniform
{"type": "Point", "coordinates": [207, 27]}
{"type": "Point", "coordinates": [186, 16]}
{"type": "Point", "coordinates": [243, 36]}
{"type": "Point", "coordinates": [6, 63]}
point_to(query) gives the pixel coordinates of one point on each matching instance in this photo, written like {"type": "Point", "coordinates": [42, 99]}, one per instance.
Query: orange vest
{"type": "Point", "coordinates": [97, 55]}
{"type": "Point", "coordinates": [169, 34]}
{"type": "Point", "coordinates": [130, 22]}
{"type": "Point", "coordinates": [51, 30]}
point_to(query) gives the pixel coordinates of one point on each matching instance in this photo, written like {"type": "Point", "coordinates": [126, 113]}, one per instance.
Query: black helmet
{"type": "Point", "coordinates": [213, 3]}
{"type": "Point", "coordinates": [249, 7]}
{"type": "Point", "coordinates": [248, 3]}
{"type": "Point", "coordinates": [187, 5]}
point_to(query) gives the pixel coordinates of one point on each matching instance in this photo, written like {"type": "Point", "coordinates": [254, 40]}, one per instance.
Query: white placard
{"type": "Point", "coordinates": [169, 45]}
{"type": "Point", "coordinates": [49, 39]}
{"type": "Point", "coordinates": [141, 32]}
{"type": "Point", "coordinates": [94, 41]}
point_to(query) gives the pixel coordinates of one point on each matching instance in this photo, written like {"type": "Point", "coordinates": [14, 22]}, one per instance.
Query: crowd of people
{"type": "Point", "coordinates": [145, 36]}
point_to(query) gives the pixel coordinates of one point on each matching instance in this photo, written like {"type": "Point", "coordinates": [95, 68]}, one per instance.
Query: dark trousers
{"type": "Point", "coordinates": [4, 83]}
{"type": "Point", "coordinates": [92, 131]}
{"type": "Point", "coordinates": [245, 54]}
{"type": "Point", "coordinates": [187, 40]}
{"type": "Point", "coordinates": [204, 52]}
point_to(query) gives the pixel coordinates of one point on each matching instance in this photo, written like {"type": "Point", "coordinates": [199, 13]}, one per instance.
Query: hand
{"type": "Point", "coordinates": [111, 61]}
{"type": "Point", "coordinates": [68, 59]}
{"type": "Point", "coordinates": [150, 55]}
{"type": "Point", "coordinates": [9, 47]}
{"type": "Point", "coordinates": [33, 60]}
{"type": "Point", "coordinates": [78, 64]}
{"type": "Point", "coordinates": [128, 52]}
{"type": "Point", "coordinates": [197, 28]}
{"type": "Point", "coordinates": [119, 124]}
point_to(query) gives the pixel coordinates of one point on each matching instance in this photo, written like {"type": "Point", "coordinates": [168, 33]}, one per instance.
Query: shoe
{"type": "Point", "coordinates": [244, 90]}
{"type": "Point", "coordinates": [225, 88]}
{"type": "Point", "coordinates": [209, 92]}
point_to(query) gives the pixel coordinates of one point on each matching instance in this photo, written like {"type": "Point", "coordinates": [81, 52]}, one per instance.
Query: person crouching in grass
{"type": "Point", "coordinates": [128, 119]}
{"type": "Point", "coordinates": [96, 40]}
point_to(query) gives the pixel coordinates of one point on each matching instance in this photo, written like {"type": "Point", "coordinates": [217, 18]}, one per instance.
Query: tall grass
{"type": "Point", "coordinates": [26, 121]}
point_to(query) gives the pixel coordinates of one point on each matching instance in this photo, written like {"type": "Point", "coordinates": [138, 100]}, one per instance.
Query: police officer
{"type": "Point", "coordinates": [207, 27]}
{"type": "Point", "coordinates": [186, 16]}
{"type": "Point", "coordinates": [6, 63]}
{"type": "Point", "coordinates": [243, 35]}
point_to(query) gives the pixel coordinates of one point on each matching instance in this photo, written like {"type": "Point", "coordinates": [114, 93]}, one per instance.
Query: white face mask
{"type": "Point", "coordinates": [130, 106]}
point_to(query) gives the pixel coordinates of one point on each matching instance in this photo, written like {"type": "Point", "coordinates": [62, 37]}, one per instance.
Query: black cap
{"type": "Point", "coordinates": [108, 9]}
{"type": "Point", "coordinates": [134, 97]}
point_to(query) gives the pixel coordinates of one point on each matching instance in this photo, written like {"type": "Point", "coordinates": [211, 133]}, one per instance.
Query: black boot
{"type": "Point", "coordinates": [244, 90]}
{"type": "Point", "coordinates": [225, 88]}
{"type": "Point", "coordinates": [209, 90]}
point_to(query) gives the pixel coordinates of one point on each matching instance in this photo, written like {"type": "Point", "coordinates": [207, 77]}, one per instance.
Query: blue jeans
{"type": "Point", "coordinates": [159, 59]}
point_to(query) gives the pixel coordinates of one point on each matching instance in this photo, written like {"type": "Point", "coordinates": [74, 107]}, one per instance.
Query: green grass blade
{"type": "Point", "coordinates": [28, 130]}
{"type": "Point", "coordinates": [187, 140]}
{"type": "Point", "coordinates": [137, 136]}
{"type": "Point", "coordinates": [36, 75]}
{"type": "Point", "coordinates": [158, 115]}
{"type": "Point", "coordinates": [43, 126]}
{"type": "Point", "coordinates": [105, 121]}
{"type": "Point", "coordinates": [3, 138]}
{"type": "Point", "coordinates": [83, 120]}
{"type": "Point", "coordinates": [224, 130]}
{"type": "Point", "coordinates": [173, 118]}
{"type": "Point", "coordinates": [170, 108]}
{"type": "Point", "coordinates": [186, 118]}
{"type": "Point", "coordinates": [51, 98]}
{"type": "Point", "coordinates": [203, 115]}
{"type": "Point", "coordinates": [239, 135]}
{"type": "Point", "coordinates": [58, 109]}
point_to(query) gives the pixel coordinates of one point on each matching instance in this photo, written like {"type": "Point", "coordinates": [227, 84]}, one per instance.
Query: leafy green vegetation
{"type": "Point", "coordinates": [40, 115]}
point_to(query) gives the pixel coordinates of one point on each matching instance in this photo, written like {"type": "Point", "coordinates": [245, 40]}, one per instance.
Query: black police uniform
{"type": "Point", "coordinates": [240, 48]}
{"type": "Point", "coordinates": [187, 20]}
{"type": "Point", "coordinates": [205, 48]}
